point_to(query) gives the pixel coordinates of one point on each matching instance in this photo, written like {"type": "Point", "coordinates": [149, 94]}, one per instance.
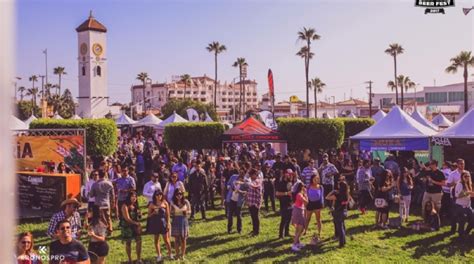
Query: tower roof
{"type": "Point", "coordinates": [91, 24]}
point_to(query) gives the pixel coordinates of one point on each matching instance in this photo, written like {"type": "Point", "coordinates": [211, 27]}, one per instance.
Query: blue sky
{"type": "Point", "coordinates": [165, 38]}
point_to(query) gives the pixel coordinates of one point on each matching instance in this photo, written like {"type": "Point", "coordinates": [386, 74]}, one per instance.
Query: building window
{"type": "Point", "coordinates": [83, 70]}
{"type": "Point", "coordinates": [210, 87]}
{"type": "Point", "coordinates": [254, 94]}
{"type": "Point", "coordinates": [188, 92]}
{"type": "Point", "coordinates": [224, 93]}
{"type": "Point", "coordinates": [458, 96]}
{"type": "Point", "coordinates": [148, 93]}
{"type": "Point", "coordinates": [171, 92]}
{"type": "Point", "coordinates": [439, 97]}
{"type": "Point", "coordinates": [386, 101]}
{"type": "Point", "coordinates": [180, 92]}
{"type": "Point", "coordinates": [203, 92]}
{"type": "Point", "coordinates": [99, 71]}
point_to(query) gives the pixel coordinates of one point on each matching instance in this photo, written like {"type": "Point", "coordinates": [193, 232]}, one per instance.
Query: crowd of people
{"type": "Point", "coordinates": [179, 185]}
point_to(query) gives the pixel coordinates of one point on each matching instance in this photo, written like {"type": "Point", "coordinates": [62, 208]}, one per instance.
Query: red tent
{"type": "Point", "coordinates": [251, 130]}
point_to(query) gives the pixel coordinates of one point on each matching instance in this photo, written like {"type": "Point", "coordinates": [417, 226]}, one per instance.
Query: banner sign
{"type": "Point", "coordinates": [41, 193]}
{"type": "Point", "coordinates": [394, 144]}
{"type": "Point", "coordinates": [253, 138]}
{"type": "Point", "coordinates": [33, 151]}
{"type": "Point", "coordinates": [452, 142]}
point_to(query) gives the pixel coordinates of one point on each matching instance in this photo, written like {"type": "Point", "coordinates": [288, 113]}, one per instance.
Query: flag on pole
{"type": "Point", "coordinates": [467, 10]}
{"type": "Point", "coordinates": [270, 83]}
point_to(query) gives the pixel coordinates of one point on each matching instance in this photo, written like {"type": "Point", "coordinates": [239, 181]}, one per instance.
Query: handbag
{"type": "Point", "coordinates": [380, 203]}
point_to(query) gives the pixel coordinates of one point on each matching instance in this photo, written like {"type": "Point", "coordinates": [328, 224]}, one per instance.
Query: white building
{"type": "Point", "coordinates": [446, 99]}
{"type": "Point", "coordinates": [92, 66]}
{"type": "Point", "coordinates": [201, 89]}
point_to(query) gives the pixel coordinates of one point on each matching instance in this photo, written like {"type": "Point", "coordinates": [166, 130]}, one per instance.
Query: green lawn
{"type": "Point", "coordinates": [209, 242]}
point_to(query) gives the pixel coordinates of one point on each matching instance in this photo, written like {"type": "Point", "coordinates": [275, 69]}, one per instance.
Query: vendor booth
{"type": "Point", "coordinates": [17, 124]}
{"type": "Point", "coordinates": [397, 131]}
{"type": "Point", "coordinates": [458, 140]}
{"type": "Point", "coordinates": [422, 120]}
{"type": "Point", "coordinates": [252, 130]}
{"type": "Point", "coordinates": [124, 120]}
{"type": "Point", "coordinates": [174, 118]}
{"type": "Point", "coordinates": [148, 121]}
{"type": "Point", "coordinates": [379, 115]}
{"type": "Point", "coordinates": [441, 121]}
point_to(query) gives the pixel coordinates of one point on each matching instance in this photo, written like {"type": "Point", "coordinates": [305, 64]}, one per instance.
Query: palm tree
{"type": "Point", "coordinates": [393, 50]}
{"type": "Point", "coordinates": [47, 90]}
{"type": "Point", "coordinates": [240, 62]}
{"type": "Point", "coordinates": [303, 53]}
{"type": "Point", "coordinates": [186, 79]}
{"type": "Point", "coordinates": [21, 89]}
{"type": "Point", "coordinates": [32, 92]}
{"type": "Point", "coordinates": [307, 35]}
{"type": "Point", "coordinates": [60, 71]}
{"type": "Point", "coordinates": [143, 76]}
{"type": "Point", "coordinates": [405, 83]}
{"type": "Point", "coordinates": [217, 48]}
{"type": "Point", "coordinates": [464, 60]}
{"type": "Point", "coordinates": [318, 86]}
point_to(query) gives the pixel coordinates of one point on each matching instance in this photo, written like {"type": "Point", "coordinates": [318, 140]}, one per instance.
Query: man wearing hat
{"type": "Point", "coordinates": [327, 171]}
{"type": "Point", "coordinates": [68, 212]}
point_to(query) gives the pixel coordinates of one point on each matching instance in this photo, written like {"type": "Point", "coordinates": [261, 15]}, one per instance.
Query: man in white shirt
{"type": "Point", "coordinates": [453, 178]}
{"type": "Point", "coordinates": [151, 186]}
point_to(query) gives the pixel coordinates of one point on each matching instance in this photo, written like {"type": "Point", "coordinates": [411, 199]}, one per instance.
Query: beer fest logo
{"type": "Point", "coordinates": [434, 6]}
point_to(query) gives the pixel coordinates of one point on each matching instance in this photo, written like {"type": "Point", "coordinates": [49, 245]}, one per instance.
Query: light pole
{"type": "Point", "coordinates": [45, 52]}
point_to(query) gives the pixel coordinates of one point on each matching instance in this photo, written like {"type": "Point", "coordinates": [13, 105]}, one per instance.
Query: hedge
{"type": "Point", "coordinates": [353, 126]}
{"type": "Point", "coordinates": [303, 133]}
{"type": "Point", "coordinates": [193, 135]}
{"type": "Point", "coordinates": [101, 134]}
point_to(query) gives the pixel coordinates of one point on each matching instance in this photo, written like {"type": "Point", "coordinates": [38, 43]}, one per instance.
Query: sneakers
{"type": "Point", "coordinates": [159, 259]}
{"type": "Point", "coordinates": [295, 248]}
{"type": "Point", "coordinates": [300, 245]}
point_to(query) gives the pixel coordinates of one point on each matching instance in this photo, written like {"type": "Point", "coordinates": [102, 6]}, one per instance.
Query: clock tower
{"type": "Point", "coordinates": [92, 65]}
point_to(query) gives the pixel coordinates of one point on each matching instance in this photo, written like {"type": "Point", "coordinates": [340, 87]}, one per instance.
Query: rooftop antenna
{"type": "Point", "coordinates": [90, 14]}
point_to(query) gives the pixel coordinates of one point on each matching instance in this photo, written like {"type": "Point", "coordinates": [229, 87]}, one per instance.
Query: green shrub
{"type": "Point", "coordinates": [304, 133]}
{"type": "Point", "coordinates": [353, 126]}
{"type": "Point", "coordinates": [101, 134]}
{"type": "Point", "coordinates": [193, 135]}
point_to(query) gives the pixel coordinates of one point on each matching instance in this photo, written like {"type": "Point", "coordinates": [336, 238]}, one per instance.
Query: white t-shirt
{"type": "Point", "coordinates": [446, 173]}
{"type": "Point", "coordinates": [150, 188]}
{"type": "Point", "coordinates": [454, 177]}
{"type": "Point", "coordinates": [462, 201]}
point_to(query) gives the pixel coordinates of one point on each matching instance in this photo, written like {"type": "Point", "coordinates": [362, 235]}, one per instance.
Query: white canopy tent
{"type": "Point", "coordinates": [351, 115]}
{"type": "Point", "coordinates": [379, 115]}
{"type": "Point", "coordinates": [57, 116]}
{"type": "Point", "coordinates": [397, 131]}
{"type": "Point", "coordinates": [174, 118]}
{"type": "Point", "coordinates": [17, 124]}
{"type": "Point", "coordinates": [75, 117]}
{"type": "Point", "coordinates": [208, 118]}
{"type": "Point", "coordinates": [422, 120]}
{"type": "Point", "coordinates": [441, 121]}
{"type": "Point", "coordinates": [462, 129]}
{"type": "Point", "coordinates": [30, 119]}
{"type": "Point", "coordinates": [124, 120]}
{"type": "Point", "coordinates": [150, 120]}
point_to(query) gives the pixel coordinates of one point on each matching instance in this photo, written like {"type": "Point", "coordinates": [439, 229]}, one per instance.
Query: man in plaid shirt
{"type": "Point", "coordinates": [328, 171]}
{"type": "Point", "coordinates": [254, 200]}
{"type": "Point", "coordinates": [68, 212]}
{"type": "Point", "coordinates": [308, 172]}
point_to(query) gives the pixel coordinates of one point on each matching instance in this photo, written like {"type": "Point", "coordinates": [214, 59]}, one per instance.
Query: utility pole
{"type": "Point", "coordinates": [46, 63]}
{"type": "Point", "coordinates": [44, 106]}
{"type": "Point", "coordinates": [370, 97]}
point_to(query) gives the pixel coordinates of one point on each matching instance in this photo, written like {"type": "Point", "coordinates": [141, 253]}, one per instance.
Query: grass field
{"type": "Point", "coordinates": [209, 242]}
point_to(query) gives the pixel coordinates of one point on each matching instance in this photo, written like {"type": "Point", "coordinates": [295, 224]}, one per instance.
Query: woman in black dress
{"type": "Point", "coordinates": [158, 223]}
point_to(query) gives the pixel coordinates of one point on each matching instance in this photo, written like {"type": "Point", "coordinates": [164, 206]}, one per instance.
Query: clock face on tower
{"type": "Point", "coordinates": [83, 48]}
{"type": "Point", "coordinates": [97, 49]}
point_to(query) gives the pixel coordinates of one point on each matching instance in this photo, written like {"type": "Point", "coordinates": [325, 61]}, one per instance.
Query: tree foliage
{"type": "Point", "coordinates": [353, 126]}
{"type": "Point", "coordinates": [193, 135]}
{"type": "Point", "coordinates": [101, 134]}
{"type": "Point", "coordinates": [26, 108]}
{"type": "Point", "coordinates": [180, 107]}
{"type": "Point", "coordinates": [304, 133]}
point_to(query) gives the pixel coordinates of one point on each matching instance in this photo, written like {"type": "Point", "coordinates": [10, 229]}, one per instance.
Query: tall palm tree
{"type": "Point", "coordinates": [33, 93]}
{"type": "Point", "coordinates": [217, 48]}
{"type": "Point", "coordinates": [143, 76]}
{"type": "Point", "coordinates": [60, 71]}
{"type": "Point", "coordinates": [240, 62]}
{"type": "Point", "coordinates": [394, 50]}
{"type": "Point", "coordinates": [464, 60]}
{"type": "Point", "coordinates": [405, 83]}
{"type": "Point", "coordinates": [318, 86]}
{"type": "Point", "coordinates": [21, 89]}
{"type": "Point", "coordinates": [307, 35]}
{"type": "Point", "coordinates": [186, 79]}
{"type": "Point", "coordinates": [47, 90]}
{"type": "Point", "coordinates": [306, 55]}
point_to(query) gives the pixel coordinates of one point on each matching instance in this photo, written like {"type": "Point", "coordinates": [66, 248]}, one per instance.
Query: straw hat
{"type": "Point", "coordinates": [70, 201]}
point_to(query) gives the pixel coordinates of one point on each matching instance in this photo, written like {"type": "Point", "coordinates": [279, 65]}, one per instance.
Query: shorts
{"type": "Point", "coordinates": [316, 205]}
{"type": "Point", "coordinates": [100, 248]}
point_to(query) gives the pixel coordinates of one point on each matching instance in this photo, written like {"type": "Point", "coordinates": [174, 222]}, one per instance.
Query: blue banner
{"type": "Point", "coordinates": [394, 144]}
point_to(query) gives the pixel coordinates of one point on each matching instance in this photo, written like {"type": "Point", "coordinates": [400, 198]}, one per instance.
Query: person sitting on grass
{"type": "Point", "coordinates": [431, 220]}
{"type": "Point", "coordinates": [298, 214]}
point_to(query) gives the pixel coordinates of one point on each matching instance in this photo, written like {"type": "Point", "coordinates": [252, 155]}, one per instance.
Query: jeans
{"type": "Point", "coordinates": [446, 205]}
{"type": "Point", "coordinates": [269, 193]}
{"type": "Point", "coordinates": [234, 210]}
{"type": "Point", "coordinates": [285, 214]}
{"type": "Point", "coordinates": [340, 227]}
{"type": "Point", "coordinates": [255, 220]}
{"type": "Point", "coordinates": [463, 215]}
{"type": "Point", "coordinates": [404, 209]}
{"type": "Point", "coordinates": [197, 203]}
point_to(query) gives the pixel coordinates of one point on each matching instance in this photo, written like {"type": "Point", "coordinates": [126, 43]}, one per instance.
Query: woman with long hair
{"type": "Point", "coordinates": [171, 187]}
{"type": "Point", "coordinates": [340, 196]}
{"type": "Point", "coordinates": [300, 199]}
{"type": "Point", "coordinates": [180, 211]}
{"type": "Point", "coordinates": [158, 223]}
{"type": "Point", "coordinates": [97, 232]}
{"type": "Point", "coordinates": [463, 193]}
{"type": "Point", "coordinates": [404, 187]}
{"type": "Point", "coordinates": [25, 254]}
{"type": "Point", "coordinates": [315, 203]}
{"type": "Point", "coordinates": [131, 226]}
{"type": "Point", "coordinates": [382, 200]}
